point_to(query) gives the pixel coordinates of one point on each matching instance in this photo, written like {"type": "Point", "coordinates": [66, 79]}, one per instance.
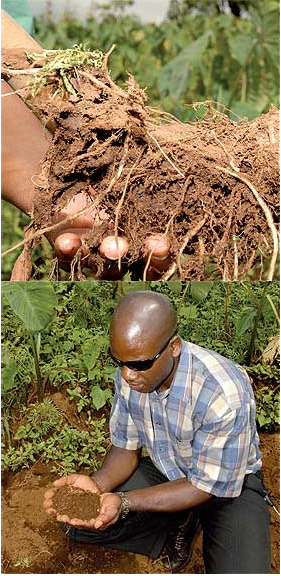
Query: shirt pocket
{"type": "Point", "coordinates": [183, 448]}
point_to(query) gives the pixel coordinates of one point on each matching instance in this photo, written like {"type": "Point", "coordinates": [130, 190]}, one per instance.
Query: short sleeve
{"type": "Point", "coordinates": [123, 431]}
{"type": "Point", "coordinates": [220, 452]}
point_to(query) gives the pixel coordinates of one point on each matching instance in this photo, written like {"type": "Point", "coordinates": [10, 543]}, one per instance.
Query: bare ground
{"type": "Point", "coordinates": [32, 543]}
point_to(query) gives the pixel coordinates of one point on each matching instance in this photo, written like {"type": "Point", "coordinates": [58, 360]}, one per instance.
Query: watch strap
{"type": "Point", "coordinates": [125, 505]}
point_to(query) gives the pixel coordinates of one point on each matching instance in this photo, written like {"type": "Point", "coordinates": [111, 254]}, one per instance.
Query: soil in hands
{"type": "Point", "coordinates": [32, 542]}
{"type": "Point", "coordinates": [76, 503]}
{"type": "Point", "coordinates": [211, 187]}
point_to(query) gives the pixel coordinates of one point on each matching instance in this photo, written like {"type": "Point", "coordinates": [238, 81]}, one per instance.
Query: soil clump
{"type": "Point", "coordinates": [76, 503]}
{"type": "Point", "coordinates": [211, 187]}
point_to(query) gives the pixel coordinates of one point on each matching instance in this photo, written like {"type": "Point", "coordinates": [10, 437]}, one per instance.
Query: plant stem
{"type": "Point", "coordinates": [6, 428]}
{"type": "Point", "coordinates": [227, 302]}
{"type": "Point", "coordinates": [33, 338]}
{"type": "Point", "coordinates": [274, 309]}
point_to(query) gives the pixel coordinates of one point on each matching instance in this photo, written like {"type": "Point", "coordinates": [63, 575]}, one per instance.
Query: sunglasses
{"type": "Point", "coordinates": [141, 365]}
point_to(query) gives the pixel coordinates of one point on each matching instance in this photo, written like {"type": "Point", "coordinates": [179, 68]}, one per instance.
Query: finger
{"type": "Point", "coordinates": [158, 245]}
{"type": "Point", "coordinates": [47, 503]}
{"type": "Point", "coordinates": [49, 494]}
{"type": "Point", "coordinates": [66, 480]}
{"type": "Point", "coordinates": [83, 523]}
{"type": "Point", "coordinates": [93, 217]}
{"type": "Point", "coordinates": [102, 523]}
{"type": "Point", "coordinates": [157, 252]}
{"type": "Point", "coordinates": [51, 511]}
{"type": "Point", "coordinates": [114, 248]}
{"type": "Point", "coordinates": [66, 245]}
{"type": "Point", "coordinates": [63, 518]}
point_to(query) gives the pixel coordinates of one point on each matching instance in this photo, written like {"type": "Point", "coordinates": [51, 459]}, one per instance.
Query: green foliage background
{"type": "Point", "coordinates": [74, 360]}
{"type": "Point", "coordinates": [196, 54]}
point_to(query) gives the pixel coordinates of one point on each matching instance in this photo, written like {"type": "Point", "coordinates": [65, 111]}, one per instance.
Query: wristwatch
{"type": "Point", "coordinates": [125, 504]}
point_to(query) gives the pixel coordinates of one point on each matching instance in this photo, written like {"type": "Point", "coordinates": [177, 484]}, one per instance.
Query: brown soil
{"type": "Point", "coordinates": [32, 543]}
{"type": "Point", "coordinates": [211, 186]}
{"type": "Point", "coordinates": [76, 503]}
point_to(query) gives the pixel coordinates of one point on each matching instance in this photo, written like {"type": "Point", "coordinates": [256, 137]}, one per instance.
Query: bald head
{"type": "Point", "coordinates": [143, 315]}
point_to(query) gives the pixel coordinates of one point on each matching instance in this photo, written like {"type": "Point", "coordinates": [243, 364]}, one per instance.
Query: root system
{"type": "Point", "coordinates": [211, 186]}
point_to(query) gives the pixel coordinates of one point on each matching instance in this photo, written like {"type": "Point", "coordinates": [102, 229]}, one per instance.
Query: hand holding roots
{"type": "Point", "coordinates": [210, 189]}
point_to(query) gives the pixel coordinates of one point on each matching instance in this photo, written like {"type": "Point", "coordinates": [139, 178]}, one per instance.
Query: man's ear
{"type": "Point", "coordinates": [176, 346]}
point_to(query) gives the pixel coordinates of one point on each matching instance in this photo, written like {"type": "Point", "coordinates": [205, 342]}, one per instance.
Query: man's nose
{"type": "Point", "coordinates": [128, 374]}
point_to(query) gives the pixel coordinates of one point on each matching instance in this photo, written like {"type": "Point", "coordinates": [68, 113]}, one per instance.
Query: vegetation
{"type": "Point", "coordinates": [238, 320]}
{"type": "Point", "coordinates": [202, 51]}
{"type": "Point", "coordinates": [45, 435]}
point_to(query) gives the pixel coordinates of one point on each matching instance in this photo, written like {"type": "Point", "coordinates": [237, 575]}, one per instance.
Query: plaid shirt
{"type": "Point", "coordinates": [202, 428]}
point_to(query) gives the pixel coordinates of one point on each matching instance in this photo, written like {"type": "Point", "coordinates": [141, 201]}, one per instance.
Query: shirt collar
{"type": "Point", "coordinates": [178, 384]}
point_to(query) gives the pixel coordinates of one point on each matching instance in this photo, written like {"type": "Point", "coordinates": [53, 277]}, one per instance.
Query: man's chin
{"type": "Point", "coordinates": [138, 387]}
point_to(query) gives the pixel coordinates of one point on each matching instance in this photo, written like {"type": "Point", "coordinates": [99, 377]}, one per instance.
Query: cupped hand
{"type": "Point", "coordinates": [80, 481]}
{"type": "Point", "coordinates": [110, 510]}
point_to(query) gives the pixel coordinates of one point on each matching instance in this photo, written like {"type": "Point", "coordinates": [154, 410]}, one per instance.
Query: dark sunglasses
{"type": "Point", "coordinates": [141, 365]}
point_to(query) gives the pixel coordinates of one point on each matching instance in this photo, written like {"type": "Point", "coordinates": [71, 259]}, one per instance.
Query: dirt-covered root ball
{"type": "Point", "coordinates": [112, 249]}
{"type": "Point", "coordinates": [66, 245]}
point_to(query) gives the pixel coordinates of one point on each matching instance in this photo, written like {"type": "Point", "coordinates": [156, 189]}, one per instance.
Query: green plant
{"type": "Point", "coordinates": [202, 53]}
{"type": "Point", "coordinates": [228, 59]}
{"type": "Point", "coordinates": [268, 408]}
{"type": "Point", "coordinates": [252, 315]}
{"type": "Point", "coordinates": [34, 303]}
{"type": "Point", "coordinates": [47, 436]}
{"type": "Point", "coordinates": [97, 399]}
{"type": "Point", "coordinates": [61, 62]}
{"type": "Point", "coordinates": [12, 225]}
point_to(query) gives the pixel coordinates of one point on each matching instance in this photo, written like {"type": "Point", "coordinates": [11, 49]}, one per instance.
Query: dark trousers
{"type": "Point", "coordinates": [235, 530]}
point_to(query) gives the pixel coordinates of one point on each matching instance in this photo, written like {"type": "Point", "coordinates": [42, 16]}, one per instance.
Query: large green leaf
{"type": "Point", "coordinates": [90, 353]}
{"type": "Point", "coordinates": [173, 78]}
{"type": "Point", "coordinates": [8, 376]}
{"type": "Point", "coordinates": [241, 46]}
{"type": "Point", "coordinates": [98, 396]}
{"type": "Point", "coordinates": [245, 320]}
{"type": "Point", "coordinates": [200, 290]}
{"type": "Point", "coordinates": [272, 350]}
{"type": "Point", "coordinates": [247, 110]}
{"type": "Point", "coordinates": [33, 302]}
{"type": "Point", "coordinates": [175, 286]}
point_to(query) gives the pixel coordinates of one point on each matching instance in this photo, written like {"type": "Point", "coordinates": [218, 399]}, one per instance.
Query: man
{"type": "Point", "coordinates": [194, 411]}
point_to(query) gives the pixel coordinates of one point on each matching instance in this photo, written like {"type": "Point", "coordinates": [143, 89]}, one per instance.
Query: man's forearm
{"type": "Point", "coordinates": [24, 145]}
{"type": "Point", "coordinates": [171, 496]}
{"type": "Point", "coordinates": [117, 467]}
